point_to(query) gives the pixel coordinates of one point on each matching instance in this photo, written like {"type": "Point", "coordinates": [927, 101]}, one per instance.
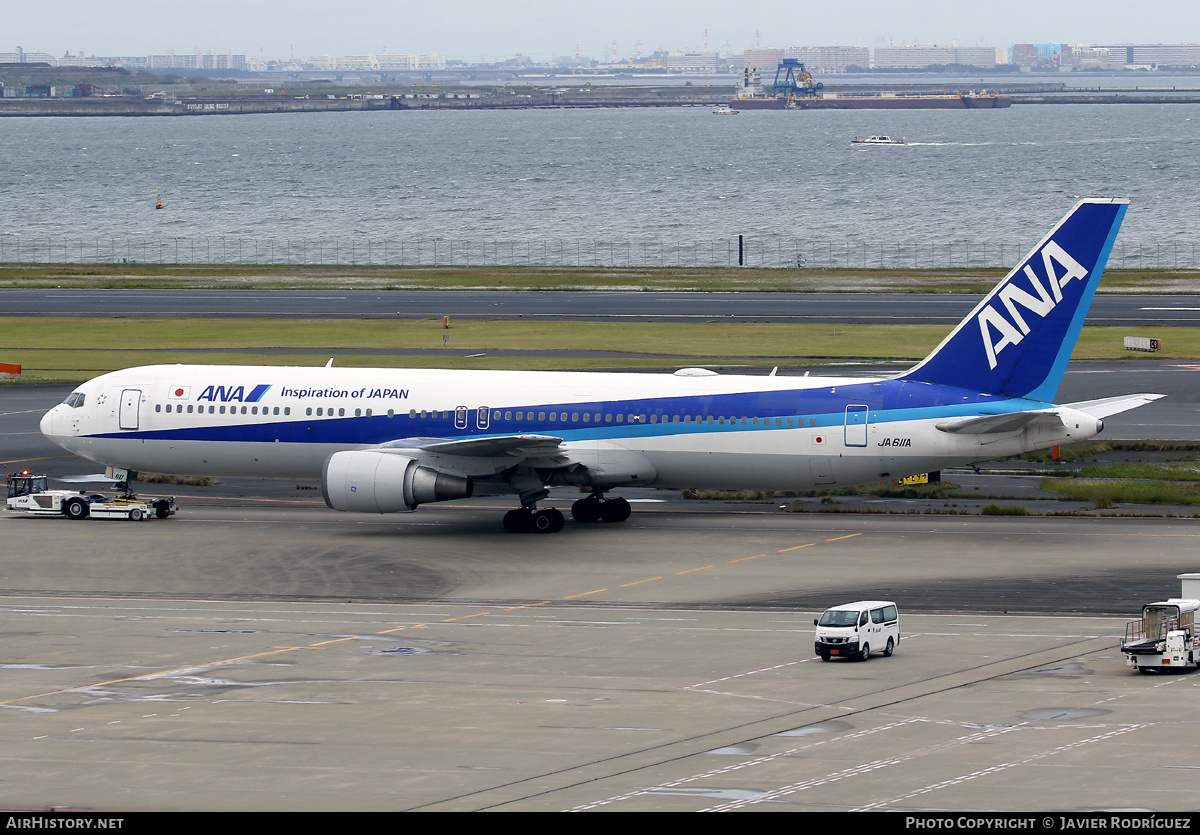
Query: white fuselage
{"type": "Point", "coordinates": [722, 432]}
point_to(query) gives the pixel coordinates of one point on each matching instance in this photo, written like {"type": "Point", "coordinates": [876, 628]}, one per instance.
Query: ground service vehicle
{"type": "Point", "coordinates": [28, 494]}
{"type": "Point", "coordinates": [1164, 637]}
{"type": "Point", "coordinates": [855, 630]}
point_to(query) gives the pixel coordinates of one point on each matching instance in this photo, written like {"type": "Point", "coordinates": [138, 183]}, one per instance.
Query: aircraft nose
{"type": "Point", "coordinates": [47, 423]}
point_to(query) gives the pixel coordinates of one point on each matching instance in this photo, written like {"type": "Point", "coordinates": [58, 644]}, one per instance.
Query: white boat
{"type": "Point", "coordinates": [724, 110]}
{"type": "Point", "coordinates": [878, 139]}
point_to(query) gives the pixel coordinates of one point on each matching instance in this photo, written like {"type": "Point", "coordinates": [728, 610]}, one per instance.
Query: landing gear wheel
{"type": "Point", "coordinates": [586, 510]}
{"type": "Point", "coordinates": [889, 649]}
{"type": "Point", "coordinates": [75, 508]}
{"type": "Point", "coordinates": [518, 521]}
{"type": "Point", "coordinates": [547, 521]}
{"type": "Point", "coordinates": [865, 654]}
{"type": "Point", "coordinates": [135, 515]}
{"type": "Point", "coordinates": [615, 510]}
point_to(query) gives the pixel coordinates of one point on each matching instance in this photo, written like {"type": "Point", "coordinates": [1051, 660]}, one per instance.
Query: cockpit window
{"type": "Point", "coordinates": [75, 400]}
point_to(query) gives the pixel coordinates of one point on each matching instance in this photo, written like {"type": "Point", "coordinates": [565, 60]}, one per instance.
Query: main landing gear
{"type": "Point", "coordinates": [595, 508]}
{"type": "Point", "coordinates": [530, 520]}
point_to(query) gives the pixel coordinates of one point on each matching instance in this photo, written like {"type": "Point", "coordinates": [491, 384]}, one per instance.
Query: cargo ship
{"type": "Point", "coordinates": [795, 89]}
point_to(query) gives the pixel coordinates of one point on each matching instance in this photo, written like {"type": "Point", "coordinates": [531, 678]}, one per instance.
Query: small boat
{"type": "Point", "coordinates": [724, 110]}
{"type": "Point", "coordinates": [878, 139]}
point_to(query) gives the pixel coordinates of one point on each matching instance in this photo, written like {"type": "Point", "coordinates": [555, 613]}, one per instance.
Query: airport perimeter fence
{"type": "Point", "coordinates": [789, 253]}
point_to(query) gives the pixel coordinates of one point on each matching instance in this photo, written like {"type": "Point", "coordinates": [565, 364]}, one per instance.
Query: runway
{"type": "Point", "coordinates": [632, 306]}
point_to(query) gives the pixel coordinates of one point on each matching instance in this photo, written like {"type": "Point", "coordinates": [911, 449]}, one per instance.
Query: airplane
{"type": "Point", "coordinates": [388, 440]}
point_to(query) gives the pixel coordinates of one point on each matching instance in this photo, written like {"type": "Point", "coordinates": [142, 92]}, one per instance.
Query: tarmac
{"type": "Point", "coordinates": [259, 656]}
{"type": "Point", "coordinates": [261, 652]}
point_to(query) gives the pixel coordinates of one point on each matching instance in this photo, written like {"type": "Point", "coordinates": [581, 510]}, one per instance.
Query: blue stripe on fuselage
{"type": "Point", "coordinates": [887, 400]}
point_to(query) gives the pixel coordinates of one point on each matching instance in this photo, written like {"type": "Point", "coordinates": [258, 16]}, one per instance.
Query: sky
{"type": "Point", "coordinates": [476, 30]}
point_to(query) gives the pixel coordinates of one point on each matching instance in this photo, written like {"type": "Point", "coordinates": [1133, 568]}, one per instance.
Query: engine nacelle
{"type": "Point", "coordinates": [365, 481]}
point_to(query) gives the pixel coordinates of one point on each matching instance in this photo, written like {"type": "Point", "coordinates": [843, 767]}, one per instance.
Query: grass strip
{"type": "Point", "coordinates": [1106, 492]}
{"type": "Point", "coordinates": [975, 280]}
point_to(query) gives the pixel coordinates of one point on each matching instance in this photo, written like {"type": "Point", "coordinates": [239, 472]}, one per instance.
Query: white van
{"type": "Point", "coordinates": [855, 630]}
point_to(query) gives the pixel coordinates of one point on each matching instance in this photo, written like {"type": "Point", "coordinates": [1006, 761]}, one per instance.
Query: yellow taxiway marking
{"type": "Point", "coordinates": [583, 594]}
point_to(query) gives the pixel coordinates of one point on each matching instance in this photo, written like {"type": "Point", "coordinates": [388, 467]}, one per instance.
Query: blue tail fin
{"type": "Point", "coordinates": [1018, 340]}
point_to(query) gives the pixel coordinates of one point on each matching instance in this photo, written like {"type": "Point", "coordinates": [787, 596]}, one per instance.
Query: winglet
{"type": "Point", "coordinates": [1018, 340]}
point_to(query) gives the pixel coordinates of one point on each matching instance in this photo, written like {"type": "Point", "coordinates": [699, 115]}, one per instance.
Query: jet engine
{"type": "Point", "coordinates": [365, 481]}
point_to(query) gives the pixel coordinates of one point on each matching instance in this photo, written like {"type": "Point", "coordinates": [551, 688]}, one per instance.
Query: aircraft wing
{"type": "Point", "coordinates": [1114, 405]}
{"type": "Point", "coordinates": [515, 446]}
{"type": "Point", "coordinates": [996, 424]}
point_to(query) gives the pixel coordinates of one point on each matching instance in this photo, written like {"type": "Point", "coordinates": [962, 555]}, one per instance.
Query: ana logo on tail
{"type": "Point", "coordinates": [1012, 332]}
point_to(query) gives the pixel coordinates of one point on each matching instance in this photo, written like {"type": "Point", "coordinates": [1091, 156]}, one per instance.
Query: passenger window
{"type": "Point", "coordinates": [158, 407]}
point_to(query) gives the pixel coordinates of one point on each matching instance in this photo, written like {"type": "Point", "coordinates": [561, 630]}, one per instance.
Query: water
{"type": "Point", "coordinates": [667, 174]}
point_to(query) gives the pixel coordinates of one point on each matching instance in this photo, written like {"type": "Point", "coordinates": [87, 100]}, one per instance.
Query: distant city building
{"type": "Point", "coordinates": [371, 62]}
{"type": "Point", "coordinates": [694, 62]}
{"type": "Point", "coordinates": [763, 60]}
{"type": "Point", "coordinates": [920, 57]}
{"type": "Point", "coordinates": [23, 57]}
{"type": "Point", "coordinates": [1041, 56]}
{"type": "Point", "coordinates": [1159, 55]}
{"type": "Point", "coordinates": [816, 59]}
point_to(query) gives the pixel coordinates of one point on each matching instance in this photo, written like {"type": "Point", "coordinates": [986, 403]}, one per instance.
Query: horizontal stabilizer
{"type": "Point", "coordinates": [1114, 405]}
{"type": "Point", "coordinates": [996, 424]}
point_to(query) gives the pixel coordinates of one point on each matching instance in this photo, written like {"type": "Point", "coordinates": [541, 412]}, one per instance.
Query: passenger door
{"type": "Point", "coordinates": [131, 402]}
